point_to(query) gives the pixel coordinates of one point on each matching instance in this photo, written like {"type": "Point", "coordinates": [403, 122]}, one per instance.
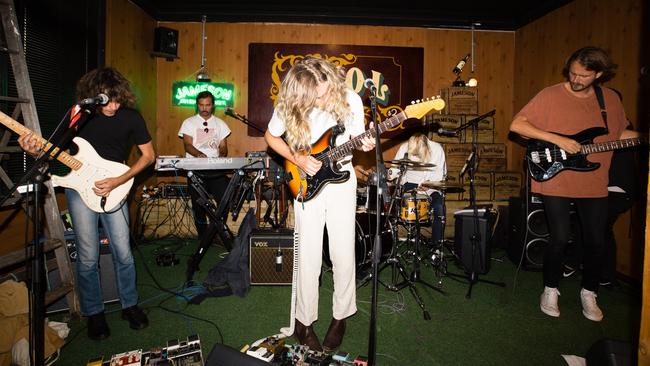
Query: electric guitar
{"type": "Point", "coordinates": [546, 160]}
{"type": "Point", "coordinates": [305, 187]}
{"type": "Point", "coordinates": [86, 166]}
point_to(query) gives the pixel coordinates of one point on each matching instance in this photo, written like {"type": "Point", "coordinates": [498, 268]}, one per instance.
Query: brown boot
{"type": "Point", "coordinates": [334, 335]}
{"type": "Point", "coordinates": [305, 335]}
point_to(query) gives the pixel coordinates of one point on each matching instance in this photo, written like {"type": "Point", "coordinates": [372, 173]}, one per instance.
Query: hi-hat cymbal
{"type": "Point", "coordinates": [443, 186]}
{"type": "Point", "coordinates": [410, 163]}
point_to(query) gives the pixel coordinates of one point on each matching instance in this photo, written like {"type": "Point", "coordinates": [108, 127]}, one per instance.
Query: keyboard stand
{"type": "Point", "coordinates": [218, 217]}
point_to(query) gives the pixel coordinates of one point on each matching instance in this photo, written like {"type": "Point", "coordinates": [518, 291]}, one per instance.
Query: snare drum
{"type": "Point", "coordinates": [412, 205]}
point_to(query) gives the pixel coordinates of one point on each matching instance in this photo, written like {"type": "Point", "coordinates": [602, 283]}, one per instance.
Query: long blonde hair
{"type": "Point", "coordinates": [297, 98]}
{"type": "Point", "coordinates": [418, 146]}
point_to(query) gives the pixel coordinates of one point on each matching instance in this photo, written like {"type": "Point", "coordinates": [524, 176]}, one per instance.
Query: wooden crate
{"type": "Point", "coordinates": [480, 179]}
{"type": "Point", "coordinates": [482, 136]}
{"type": "Point", "coordinates": [460, 100]}
{"type": "Point", "coordinates": [506, 185]}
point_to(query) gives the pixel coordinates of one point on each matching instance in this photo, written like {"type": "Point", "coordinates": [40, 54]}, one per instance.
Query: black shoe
{"type": "Point", "coordinates": [97, 327]}
{"type": "Point", "coordinates": [136, 317]}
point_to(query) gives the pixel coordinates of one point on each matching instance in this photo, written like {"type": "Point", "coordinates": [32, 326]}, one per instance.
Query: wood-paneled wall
{"type": "Point", "coordinates": [227, 61]}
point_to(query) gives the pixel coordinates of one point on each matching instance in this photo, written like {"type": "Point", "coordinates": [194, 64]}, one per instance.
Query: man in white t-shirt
{"type": "Point", "coordinates": [205, 135]}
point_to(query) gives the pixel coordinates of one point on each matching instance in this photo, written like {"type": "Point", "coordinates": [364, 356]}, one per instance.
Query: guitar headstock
{"type": "Point", "coordinates": [420, 108]}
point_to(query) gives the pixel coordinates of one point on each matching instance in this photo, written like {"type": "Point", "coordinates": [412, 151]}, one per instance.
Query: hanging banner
{"type": "Point", "coordinates": [396, 71]}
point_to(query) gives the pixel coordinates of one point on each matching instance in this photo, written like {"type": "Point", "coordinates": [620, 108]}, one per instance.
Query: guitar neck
{"type": "Point", "coordinates": [19, 129]}
{"type": "Point", "coordinates": [346, 148]}
{"type": "Point", "coordinates": [610, 145]}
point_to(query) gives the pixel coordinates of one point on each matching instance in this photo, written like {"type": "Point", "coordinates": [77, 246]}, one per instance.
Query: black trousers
{"type": "Point", "coordinates": [592, 214]}
{"type": "Point", "coordinates": [215, 185]}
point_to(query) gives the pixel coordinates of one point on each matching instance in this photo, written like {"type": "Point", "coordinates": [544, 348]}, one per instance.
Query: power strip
{"type": "Point", "coordinates": [175, 191]}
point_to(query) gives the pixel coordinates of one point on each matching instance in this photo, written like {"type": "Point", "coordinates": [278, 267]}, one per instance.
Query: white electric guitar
{"type": "Point", "coordinates": [87, 167]}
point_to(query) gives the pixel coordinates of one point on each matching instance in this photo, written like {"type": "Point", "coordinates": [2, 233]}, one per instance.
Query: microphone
{"type": "Point", "coordinates": [467, 163]}
{"type": "Point", "coordinates": [100, 99]}
{"type": "Point", "coordinates": [447, 132]}
{"type": "Point", "coordinates": [229, 112]}
{"type": "Point", "coordinates": [369, 84]}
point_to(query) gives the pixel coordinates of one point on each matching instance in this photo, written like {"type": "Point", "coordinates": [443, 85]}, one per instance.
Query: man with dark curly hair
{"type": "Point", "coordinates": [111, 130]}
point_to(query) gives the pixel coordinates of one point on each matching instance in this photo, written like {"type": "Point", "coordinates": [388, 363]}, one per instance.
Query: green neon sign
{"type": "Point", "coordinates": [184, 93]}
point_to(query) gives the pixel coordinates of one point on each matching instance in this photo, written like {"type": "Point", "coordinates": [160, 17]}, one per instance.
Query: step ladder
{"type": "Point", "coordinates": [26, 107]}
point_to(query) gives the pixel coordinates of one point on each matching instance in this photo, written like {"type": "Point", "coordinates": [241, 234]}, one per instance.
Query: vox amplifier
{"type": "Point", "coordinates": [271, 257]}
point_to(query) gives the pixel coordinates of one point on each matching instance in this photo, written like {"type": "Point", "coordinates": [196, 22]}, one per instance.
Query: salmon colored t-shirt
{"type": "Point", "coordinates": [556, 109]}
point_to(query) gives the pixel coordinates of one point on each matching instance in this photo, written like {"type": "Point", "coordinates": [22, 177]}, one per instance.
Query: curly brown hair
{"type": "Point", "coordinates": [107, 81]}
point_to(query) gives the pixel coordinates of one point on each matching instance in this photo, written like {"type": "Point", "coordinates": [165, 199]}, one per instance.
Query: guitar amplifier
{"type": "Point", "coordinates": [271, 257]}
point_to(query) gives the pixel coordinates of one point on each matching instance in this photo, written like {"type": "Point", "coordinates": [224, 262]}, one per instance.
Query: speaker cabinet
{"type": "Point", "coordinates": [474, 258]}
{"type": "Point", "coordinates": [529, 234]}
{"type": "Point", "coordinates": [166, 41]}
{"type": "Point", "coordinates": [106, 274]}
{"type": "Point", "coordinates": [271, 257]}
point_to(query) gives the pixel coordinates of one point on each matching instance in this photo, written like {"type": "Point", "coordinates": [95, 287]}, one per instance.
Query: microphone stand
{"type": "Point", "coordinates": [241, 118]}
{"type": "Point", "coordinates": [471, 166]}
{"type": "Point", "coordinates": [376, 250]}
{"type": "Point", "coordinates": [35, 258]}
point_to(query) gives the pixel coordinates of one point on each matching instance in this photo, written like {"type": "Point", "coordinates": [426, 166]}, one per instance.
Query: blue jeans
{"type": "Point", "coordinates": [116, 226]}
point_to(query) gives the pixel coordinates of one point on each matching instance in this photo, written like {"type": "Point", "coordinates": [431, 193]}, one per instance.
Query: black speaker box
{"type": "Point", "coordinates": [106, 274]}
{"type": "Point", "coordinates": [166, 41]}
{"type": "Point", "coordinates": [474, 259]}
{"type": "Point", "coordinates": [528, 235]}
{"type": "Point", "coordinates": [222, 355]}
{"type": "Point", "coordinates": [271, 257]}
{"type": "Point", "coordinates": [608, 352]}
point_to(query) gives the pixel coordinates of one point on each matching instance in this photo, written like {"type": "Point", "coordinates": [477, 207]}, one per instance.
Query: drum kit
{"type": "Point", "coordinates": [405, 246]}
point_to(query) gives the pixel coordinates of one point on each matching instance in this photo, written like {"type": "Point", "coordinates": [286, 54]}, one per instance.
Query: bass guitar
{"type": "Point", "coordinates": [546, 160]}
{"type": "Point", "coordinates": [86, 167]}
{"type": "Point", "coordinates": [305, 187]}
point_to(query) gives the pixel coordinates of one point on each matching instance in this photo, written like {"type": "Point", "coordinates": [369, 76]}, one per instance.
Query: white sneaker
{"type": "Point", "coordinates": [548, 301]}
{"type": "Point", "coordinates": [590, 308]}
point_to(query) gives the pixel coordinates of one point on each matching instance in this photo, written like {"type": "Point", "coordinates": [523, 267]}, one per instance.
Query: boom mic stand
{"type": "Point", "coordinates": [471, 165]}
{"type": "Point", "coordinates": [35, 258]}
{"type": "Point", "coordinates": [230, 112]}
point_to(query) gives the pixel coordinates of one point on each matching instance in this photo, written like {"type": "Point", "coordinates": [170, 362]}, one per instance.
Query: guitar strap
{"type": "Point", "coordinates": [601, 104]}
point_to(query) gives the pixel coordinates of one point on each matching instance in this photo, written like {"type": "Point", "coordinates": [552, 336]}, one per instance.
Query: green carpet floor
{"type": "Point", "coordinates": [497, 326]}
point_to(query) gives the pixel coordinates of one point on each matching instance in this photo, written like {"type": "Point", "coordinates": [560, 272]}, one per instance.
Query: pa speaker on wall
{"type": "Point", "coordinates": [166, 41]}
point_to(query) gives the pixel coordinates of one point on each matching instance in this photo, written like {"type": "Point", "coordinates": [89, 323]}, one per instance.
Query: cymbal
{"type": "Point", "coordinates": [443, 186]}
{"type": "Point", "coordinates": [410, 163]}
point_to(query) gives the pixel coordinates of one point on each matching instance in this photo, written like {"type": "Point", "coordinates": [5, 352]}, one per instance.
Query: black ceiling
{"type": "Point", "coordinates": [491, 14]}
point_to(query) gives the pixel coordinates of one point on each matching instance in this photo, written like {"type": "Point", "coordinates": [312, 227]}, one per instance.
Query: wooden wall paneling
{"type": "Point", "coordinates": [541, 49]}
{"type": "Point", "coordinates": [227, 61]}
{"type": "Point", "coordinates": [129, 42]}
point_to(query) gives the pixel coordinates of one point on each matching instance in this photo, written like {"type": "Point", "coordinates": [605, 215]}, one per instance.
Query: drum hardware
{"type": "Point", "coordinates": [414, 165]}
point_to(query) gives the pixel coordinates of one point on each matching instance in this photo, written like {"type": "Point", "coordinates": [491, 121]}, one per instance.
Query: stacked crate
{"type": "Point", "coordinates": [493, 184]}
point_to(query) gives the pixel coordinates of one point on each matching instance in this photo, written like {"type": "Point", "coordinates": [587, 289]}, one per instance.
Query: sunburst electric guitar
{"type": "Point", "coordinates": [305, 187]}
{"type": "Point", "coordinates": [546, 160]}
{"type": "Point", "coordinates": [86, 166]}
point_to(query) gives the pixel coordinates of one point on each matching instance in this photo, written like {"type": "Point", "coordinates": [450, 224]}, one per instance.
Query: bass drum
{"type": "Point", "coordinates": [364, 234]}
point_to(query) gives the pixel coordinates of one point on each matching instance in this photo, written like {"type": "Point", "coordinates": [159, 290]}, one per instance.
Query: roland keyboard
{"type": "Point", "coordinates": [166, 163]}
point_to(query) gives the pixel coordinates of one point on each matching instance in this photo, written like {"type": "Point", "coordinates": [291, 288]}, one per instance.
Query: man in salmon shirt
{"type": "Point", "coordinates": [553, 115]}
